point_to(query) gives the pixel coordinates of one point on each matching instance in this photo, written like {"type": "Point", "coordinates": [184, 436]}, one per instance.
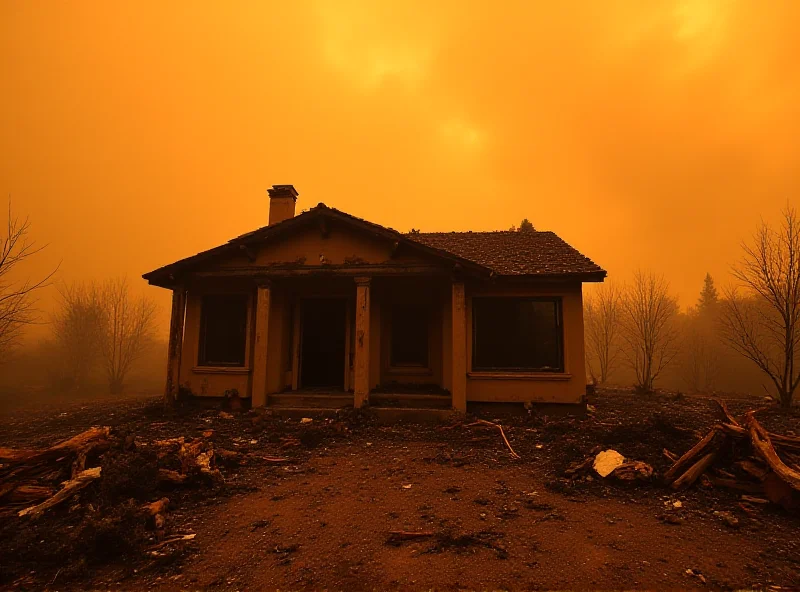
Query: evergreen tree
{"type": "Point", "coordinates": [526, 226]}
{"type": "Point", "coordinates": [708, 296]}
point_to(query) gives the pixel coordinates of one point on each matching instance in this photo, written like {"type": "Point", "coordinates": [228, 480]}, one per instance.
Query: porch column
{"type": "Point", "coordinates": [259, 365]}
{"type": "Point", "coordinates": [175, 345]}
{"type": "Point", "coordinates": [361, 378]}
{"type": "Point", "coordinates": [459, 365]}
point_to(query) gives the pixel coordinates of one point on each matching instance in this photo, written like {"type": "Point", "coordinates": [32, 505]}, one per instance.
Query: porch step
{"type": "Point", "coordinates": [411, 400]}
{"type": "Point", "coordinates": [311, 400]}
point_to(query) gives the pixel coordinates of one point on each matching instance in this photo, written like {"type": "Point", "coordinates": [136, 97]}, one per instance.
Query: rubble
{"type": "Point", "coordinates": [745, 457]}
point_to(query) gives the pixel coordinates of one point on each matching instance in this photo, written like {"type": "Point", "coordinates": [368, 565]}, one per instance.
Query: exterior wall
{"type": "Point", "coordinates": [214, 381]}
{"type": "Point", "coordinates": [566, 387]}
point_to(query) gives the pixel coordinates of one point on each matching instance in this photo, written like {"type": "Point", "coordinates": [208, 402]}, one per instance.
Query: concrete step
{"type": "Point", "coordinates": [311, 400]}
{"type": "Point", "coordinates": [411, 400]}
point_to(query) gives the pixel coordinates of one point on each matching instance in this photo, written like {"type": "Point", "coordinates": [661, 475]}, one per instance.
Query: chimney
{"type": "Point", "coordinates": [282, 199]}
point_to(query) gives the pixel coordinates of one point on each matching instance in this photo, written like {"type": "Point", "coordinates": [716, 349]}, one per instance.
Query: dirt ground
{"type": "Point", "coordinates": [323, 520]}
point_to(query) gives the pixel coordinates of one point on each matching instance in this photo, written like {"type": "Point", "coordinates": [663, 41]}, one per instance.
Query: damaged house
{"type": "Point", "coordinates": [323, 309]}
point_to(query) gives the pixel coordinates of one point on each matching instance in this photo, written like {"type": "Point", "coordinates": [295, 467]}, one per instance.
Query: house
{"type": "Point", "coordinates": [325, 309]}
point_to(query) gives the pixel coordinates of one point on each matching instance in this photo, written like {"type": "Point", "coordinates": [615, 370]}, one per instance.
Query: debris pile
{"type": "Point", "coordinates": [610, 464]}
{"type": "Point", "coordinates": [104, 489]}
{"type": "Point", "coordinates": [34, 481]}
{"type": "Point", "coordinates": [742, 456]}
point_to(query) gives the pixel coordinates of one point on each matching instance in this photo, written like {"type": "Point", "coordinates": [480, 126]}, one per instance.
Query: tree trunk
{"type": "Point", "coordinates": [115, 386]}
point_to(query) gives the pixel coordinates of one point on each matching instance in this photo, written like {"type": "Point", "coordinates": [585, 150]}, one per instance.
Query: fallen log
{"type": "Point", "coordinates": [726, 412]}
{"type": "Point", "coordinates": [70, 488]}
{"type": "Point", "coordinates": [694, 472]}
{"type": "Point", "coordinates": [691, 455]}
{"type": "Point", "coordinates": [753, 469]}
{"type": "Point", "coordinates": [787, 442]}
{"type": "Point", "coordinates": [735, 484]}
{"type": "Point", "coordinates": [763, 445]}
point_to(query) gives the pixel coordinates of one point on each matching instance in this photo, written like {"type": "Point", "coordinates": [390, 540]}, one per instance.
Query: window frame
{"type": "Point", "coordinates": [559, 370]}
{"type": "Point", "coordinates": [202, 362]}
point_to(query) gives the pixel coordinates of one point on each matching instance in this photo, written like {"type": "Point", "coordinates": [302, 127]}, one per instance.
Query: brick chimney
{"type": "Point", "coordinates": [282, 200]}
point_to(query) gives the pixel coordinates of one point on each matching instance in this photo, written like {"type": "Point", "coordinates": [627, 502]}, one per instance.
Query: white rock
{"type": "Point", "coordinates": [608, 460]}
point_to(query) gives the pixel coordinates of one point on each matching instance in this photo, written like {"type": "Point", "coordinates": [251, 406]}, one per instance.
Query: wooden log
{"type": "Point", "coordinates": [753, 469]}
{"type": "Point", "coordinates": [763, 445]}
{"type": "Point", "coordinates": [14, 455]}
{"type": "Point", "coordinates": [70, 488]}
{"type": "Point", "coordinates": [690, 457]}
{"type": "Point", "coordinates": [726, 412]}
{"type": "Point", "coordinates": [67, 447]}
{"type": "Point", "coordinates": [736, 484]}
{"type": "Point", "coordinates": [167, 477]}
{"type": "Point", "coordinates": [694, 472]}
{"type": "Point", "coordinates": [671, 457]}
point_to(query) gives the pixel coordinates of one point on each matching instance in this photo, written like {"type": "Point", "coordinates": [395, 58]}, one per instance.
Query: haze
{"type": "Point", "coordinates": [647, 134]}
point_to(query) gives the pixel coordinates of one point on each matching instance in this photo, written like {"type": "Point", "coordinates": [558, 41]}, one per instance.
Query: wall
{"type": "Point", "coordinates": [568, 387]}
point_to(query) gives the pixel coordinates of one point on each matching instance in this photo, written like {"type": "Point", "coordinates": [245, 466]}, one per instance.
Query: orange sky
{"type": "Point", "coordinates": [651, 134]}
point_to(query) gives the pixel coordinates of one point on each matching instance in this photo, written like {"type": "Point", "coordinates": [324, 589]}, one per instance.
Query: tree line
{"type": "Point", "coordinates": [638, 328]}
{"type": "Point", "coordinates": [98, 327]}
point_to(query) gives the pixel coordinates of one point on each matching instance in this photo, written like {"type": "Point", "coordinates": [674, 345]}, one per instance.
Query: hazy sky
{"type": "Point", "coordinates": [647, 134]}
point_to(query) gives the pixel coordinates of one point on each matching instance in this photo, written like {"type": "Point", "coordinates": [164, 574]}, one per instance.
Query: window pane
{"type": "Point", "coordinates": [517, 334]}
{"type": "Point", "coordinates": [409, 332]}
{"type": "Point", "coordinates": [223, 330]}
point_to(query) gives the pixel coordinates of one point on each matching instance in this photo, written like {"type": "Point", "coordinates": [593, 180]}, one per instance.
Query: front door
{"type": "Point", "coordinates": [323, 343]}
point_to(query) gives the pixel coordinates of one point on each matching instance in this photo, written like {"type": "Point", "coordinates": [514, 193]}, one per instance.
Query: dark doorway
{"type": "Point", "coordinates": [323, 343]}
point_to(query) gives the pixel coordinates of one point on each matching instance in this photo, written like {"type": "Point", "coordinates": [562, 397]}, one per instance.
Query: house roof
{"type": "Point", "coordinates": [511, 253]}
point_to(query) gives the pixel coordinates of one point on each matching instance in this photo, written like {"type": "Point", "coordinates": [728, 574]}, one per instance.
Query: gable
{"type": "Point", "coordinates": [310, 246]}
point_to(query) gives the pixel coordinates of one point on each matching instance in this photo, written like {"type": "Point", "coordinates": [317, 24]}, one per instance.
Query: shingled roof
{"type": "Point", "coordinates": [502, 253]}
{"type": "Point", "coordinates": [513, 253]}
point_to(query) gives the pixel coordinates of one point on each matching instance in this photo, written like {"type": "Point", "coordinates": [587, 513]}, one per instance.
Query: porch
{"type": "Point", "coordinates": [324, 343]}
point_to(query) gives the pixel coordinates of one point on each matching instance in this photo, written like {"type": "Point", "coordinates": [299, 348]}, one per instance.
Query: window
{"type": "Point", "coordinates": [517, 334]}
{"type": "Point", "coordinates": [223, 330]}
{"type": "Point", "coordinates": [409, 331]}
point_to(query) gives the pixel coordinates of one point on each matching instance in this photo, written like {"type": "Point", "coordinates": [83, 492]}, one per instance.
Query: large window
{"type": "Point", "coordinates": [223, 330]}
{"type": "Point", "coordinates": [517, 334]}
{"type": "Point", "coordinates": [409, 331]}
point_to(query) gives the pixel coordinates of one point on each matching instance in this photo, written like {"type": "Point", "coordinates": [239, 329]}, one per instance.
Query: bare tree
{"type": "Point", "coordinates": [602, 324]}
{"type": "Point", "coordinates": [76, 328]}
{"type": "Point", "coordinates": [126, 329]}
{"type": "Point", "coordinates": [17, 297]}
{"type": "Point", "coordinates": [761, 315]}
{"type": "Point", "coordinates": [649, 328]}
